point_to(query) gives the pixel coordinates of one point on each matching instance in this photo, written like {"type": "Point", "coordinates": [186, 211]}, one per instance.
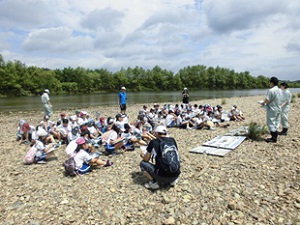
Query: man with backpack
{"type": "Point", "coordinates": [160, 162]}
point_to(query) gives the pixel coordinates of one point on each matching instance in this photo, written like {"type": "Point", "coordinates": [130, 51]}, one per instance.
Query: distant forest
{"type": "Point", "coordinates": [17, 79]}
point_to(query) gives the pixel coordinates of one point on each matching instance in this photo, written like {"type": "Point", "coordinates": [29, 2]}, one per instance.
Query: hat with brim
{"type": "Point", "coordinates": [81, 141]}
{"type": "Point", "coordinates": [161, 129]}
{"type": "Point", "coordinates": [25, 127]}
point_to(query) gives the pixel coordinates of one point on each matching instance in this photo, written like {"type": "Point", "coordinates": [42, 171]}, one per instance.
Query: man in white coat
{"type": "Point", "coordinates": [272, 103]}
{"type": "Point", "coordinates": [286, 98]}
{"type": "Point", "coordinates": [46, 103]}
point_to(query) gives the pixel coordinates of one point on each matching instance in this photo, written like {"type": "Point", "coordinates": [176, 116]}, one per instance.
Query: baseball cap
{"type": "Point", "coordinates": [84, 127]}
{"type": "Point", "coordinates": [80, 141]}
{"type": "Point", "coordinates": [25, 127]}
{"type": "Point", "coordinates": [123, 88]}
{"type": "Point", "coordinates": [47, 91]}
{"type": "Point", "coordinates": [74, 117]}
{"type": "Point", "coordinates": [161, 129]}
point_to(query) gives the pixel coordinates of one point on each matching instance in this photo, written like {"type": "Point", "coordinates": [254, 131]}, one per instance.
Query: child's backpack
{"type": "Point", "coordinates": [169, 159]}
{"type": "Point", "coordinates": [30, 155]}
{"type": "Point", "coordinates": [70, 167]}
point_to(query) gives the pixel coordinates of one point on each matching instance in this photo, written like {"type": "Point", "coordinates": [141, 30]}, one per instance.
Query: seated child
{"type": "Point", "coordinates": [84, 159]}
{"type": "Point", "coordinates": [114, 141]}
{"type": "Point", "coordinates": [43, 151]}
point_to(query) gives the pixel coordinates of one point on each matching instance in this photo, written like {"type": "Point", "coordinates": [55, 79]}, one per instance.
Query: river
{"type": "Point", "coordinates": [13, 104]}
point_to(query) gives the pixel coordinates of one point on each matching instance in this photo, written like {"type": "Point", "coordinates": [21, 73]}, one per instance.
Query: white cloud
{"type": "Point", "coordinates": [56, 40]}
{"type": "Point", "coordinates": [261, 38]}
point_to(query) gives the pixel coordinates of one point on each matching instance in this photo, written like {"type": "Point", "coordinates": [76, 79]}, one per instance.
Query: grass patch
{"type": "Point", "coordinates": [293, 100]}
{"type": "Point", "coordinates": [256, 131]}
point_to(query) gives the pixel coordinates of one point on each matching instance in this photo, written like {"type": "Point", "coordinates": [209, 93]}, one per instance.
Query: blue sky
{"type": "Point", "coordinates": [261, 37]}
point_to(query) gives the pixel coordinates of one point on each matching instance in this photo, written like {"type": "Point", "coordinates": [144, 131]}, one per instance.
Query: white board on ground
{"type": "Point", "coordinates": [226, 142]}
{"type": "Point", "coordinates": [210, 151]}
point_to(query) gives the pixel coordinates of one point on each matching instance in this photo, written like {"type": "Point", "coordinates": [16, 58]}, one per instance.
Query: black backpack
{"type": "Point", "coordinates": [169, 158]}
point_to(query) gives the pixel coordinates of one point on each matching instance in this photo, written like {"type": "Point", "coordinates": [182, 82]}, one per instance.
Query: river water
{"type": "Point", "coordinates": [13, 104]}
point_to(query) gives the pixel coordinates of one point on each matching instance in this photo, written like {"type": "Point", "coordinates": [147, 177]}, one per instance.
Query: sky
{"type": "Point", "coordinates": [262, 37]}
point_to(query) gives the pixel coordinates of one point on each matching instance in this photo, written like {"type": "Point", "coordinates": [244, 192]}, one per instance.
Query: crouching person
{"type": "Point", "coordinates": [166, 169]}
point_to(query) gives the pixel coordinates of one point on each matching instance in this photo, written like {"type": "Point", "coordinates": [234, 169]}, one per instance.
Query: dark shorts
{"type": "Point", "coordinates": [109, 148]}
{"type": "Point", "coordinates": [123, 106]}
{"type": "Point", "coordinates": [150, 168]}
{"type": "Point", "coordinates": [185, 100]}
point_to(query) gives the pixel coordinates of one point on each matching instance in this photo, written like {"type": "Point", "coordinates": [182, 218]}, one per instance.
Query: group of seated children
{"type": "Point", "coordinates": [80, 132]}
{"type": "Point", "coordinates": [190, 116]}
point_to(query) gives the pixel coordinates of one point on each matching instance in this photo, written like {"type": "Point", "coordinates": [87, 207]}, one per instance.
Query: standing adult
{"type": "Point", "coordinates": [185, 96]}
{"type": "Point", "coordinates": [46, 103]}
{"type": "Point", "coordinates": [122, 99]}
{"type": "Point", "coordinates": [272, 103]}
{"type": "Point", "coordinates": [156, 173]}
{"type": "Point", "coordinates": [286, 97]}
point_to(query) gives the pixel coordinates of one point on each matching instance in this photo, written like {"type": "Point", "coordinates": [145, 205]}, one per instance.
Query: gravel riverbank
{"type": "Point", "coordinates": [258, 183]}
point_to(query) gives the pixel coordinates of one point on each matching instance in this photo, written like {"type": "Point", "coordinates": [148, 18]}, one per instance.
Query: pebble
{"type": "Point", "coordinates": [169, 221]}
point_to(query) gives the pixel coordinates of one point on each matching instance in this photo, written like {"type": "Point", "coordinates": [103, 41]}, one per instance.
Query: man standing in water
{"type": "Point", "coordinates": [272, 103]}
{"type": "Point", "coordinates": [46, 103]}
{"type": "Point", "coordinates": [122, 98]}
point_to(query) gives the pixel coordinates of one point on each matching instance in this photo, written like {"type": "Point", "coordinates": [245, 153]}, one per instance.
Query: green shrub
{"type": "Point", "coordinates": [223, 102]}
{"type": "Point", "coordinates": [293, 100]}
{"type": "Point", "coordinates": [256, 131]}
{"type": "Point", "coordinates": [298, 95]}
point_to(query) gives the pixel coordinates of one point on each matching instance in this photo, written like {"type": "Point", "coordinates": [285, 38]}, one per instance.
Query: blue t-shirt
{"type": "Point", "coordinates": [122, 97]}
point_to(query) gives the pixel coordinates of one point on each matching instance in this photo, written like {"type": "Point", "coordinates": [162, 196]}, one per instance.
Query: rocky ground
{"type": "Point", "coordinates": [257, 183]}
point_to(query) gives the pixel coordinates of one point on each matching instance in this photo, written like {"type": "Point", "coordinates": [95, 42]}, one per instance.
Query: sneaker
{"type": "Point", "coordinates": [212, 128]}
{"type": "Point", "coordinates": [172, 184]}
{"type": "Point", "coordinates": [27, 142]}
{"type": "Point", "coordinates": [41, 162]}
{"type": "Point", "coordinates": [56, 145]}
{"type": "Point", "coordinates": [152, 185]}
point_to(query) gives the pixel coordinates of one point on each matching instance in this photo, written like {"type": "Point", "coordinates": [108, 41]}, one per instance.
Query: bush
{"type": "Point", "coordinates": [293, 100]}
{"type": "Point", "coordinates": [223, 102]}
{"type": "Point", "coordinates": [256, 131]}
{"type": "Point", "coordinates": [298, 95]}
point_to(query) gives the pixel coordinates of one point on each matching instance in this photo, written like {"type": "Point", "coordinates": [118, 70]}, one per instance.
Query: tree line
{"type": "Point", "coordinates": [17, 79]}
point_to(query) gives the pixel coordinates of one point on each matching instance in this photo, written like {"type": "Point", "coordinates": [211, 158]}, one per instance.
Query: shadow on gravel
{"type": "Point", "coordinates": [138, 177]}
